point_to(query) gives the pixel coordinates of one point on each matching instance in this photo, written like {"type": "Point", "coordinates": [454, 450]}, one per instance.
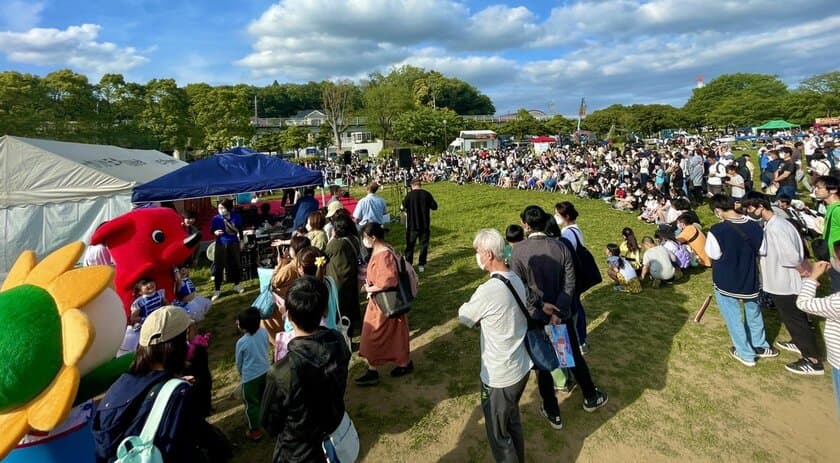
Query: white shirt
{"type": "Point", "coordinates": [737, 192]}
{"type": "Point", "coordinates": [658, 263]}
{"type": "Point", "coordinates": [779, 257]}
{"type": "Point", "coordinates": [716, 173]}
{"type": "Point", "coordinates": [504, 358]}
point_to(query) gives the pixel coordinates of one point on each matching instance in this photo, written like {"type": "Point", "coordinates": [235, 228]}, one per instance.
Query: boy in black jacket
{"type": "Point", "coordinates": [303, 401]}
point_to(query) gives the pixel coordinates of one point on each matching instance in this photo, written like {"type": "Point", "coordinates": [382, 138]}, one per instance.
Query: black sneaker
{"type": "Point", "coordinates": [788, 346]}
{"type": "Point", "coordinates": [402, 371]}
{"type": "Point", "coordinates": [371, 378]}
{"type": "Point", "coordinates": [567, 387]}
{"type": "Point", "coordinates": [766, 352]}
{"type": "Point", "coordinates": [555, 421]}
{"type": "Point", "coordinates": [804, 366]}
{"type": "Point", "coordinates": [601, 399]}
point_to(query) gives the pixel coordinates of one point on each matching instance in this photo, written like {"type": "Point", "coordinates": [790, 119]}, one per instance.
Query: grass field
{"type": "Point", "coordinates": [675, 394]}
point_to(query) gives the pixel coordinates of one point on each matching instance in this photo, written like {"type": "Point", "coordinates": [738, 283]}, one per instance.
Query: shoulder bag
{"type": "Point", "coordinates": [589, 274]}
{"type": "Point", "coordinates": [537, 342]}
{"type": "Point", "coordinates": [396, 301]}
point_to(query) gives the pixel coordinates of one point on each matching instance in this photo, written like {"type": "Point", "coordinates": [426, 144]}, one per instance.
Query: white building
{"type": "Point", "coordinates": [475, 139]}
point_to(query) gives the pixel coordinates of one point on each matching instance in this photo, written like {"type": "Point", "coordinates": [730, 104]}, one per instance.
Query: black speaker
{"type": "Point", "coordinates": [404, 157]}
{"type": "Point", "coordinates": [348, 158]}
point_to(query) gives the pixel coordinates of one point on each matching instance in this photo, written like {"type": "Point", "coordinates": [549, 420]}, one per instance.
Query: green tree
{"type": "Point", "coordinates": [323, 139]}
{"type": "Point", "coordinates": [72, 104]}
{"type": "Point", "coordinates": [824, 84]}
{"type": "Point", "coordinates": [221, 113]}
{"type": "Point", "coordinates": [734, 100]}
{"type": "Point", "coordinates": [268, 142]}
{"type": "Point", "coordinates": [294, 138]}
{"type": "Point", "coordinates": [559, 124]}
{"type": "Point", "coordinates": [426, 126]}
{"type": "Point", "coordinates": [165, 114]}
{"type": "Point", "coordinates": [23, 105]}
{"type": "Point", "coordinates": [337, 103]}
{"type": "Point", "coordinates": [383, 103]}
{"type": "Point", "coordinates": [523, 124]}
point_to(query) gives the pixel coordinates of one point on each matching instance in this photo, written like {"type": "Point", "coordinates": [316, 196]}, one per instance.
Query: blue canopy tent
{"type": "Point", "coordinates": [235, 171]}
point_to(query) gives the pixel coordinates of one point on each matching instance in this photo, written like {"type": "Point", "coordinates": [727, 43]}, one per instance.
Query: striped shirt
{"type": "Point", "coordinates": [148, 304]}
{"type": "Point", "coordinates": [828, 308]}
{"type": "Point", "coordinates": [187, 288]}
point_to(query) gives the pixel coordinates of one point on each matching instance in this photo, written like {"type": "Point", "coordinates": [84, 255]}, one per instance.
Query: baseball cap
{"type": "Point", "coordinates": [333, 207]}
{"type": "Point", "coordinates": [164, 324]}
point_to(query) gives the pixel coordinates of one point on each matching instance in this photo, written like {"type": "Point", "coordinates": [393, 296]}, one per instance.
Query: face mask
{"type": "Point", "coordinates": [222, 211]}
{"type": "Point", "coordinates": [478, 261]}
{"type": "Point", "coordinates": [559, 219]}
{"type": "Point", "coordinates": [679, 230]}
{"type": "Point", "coordinates": [308, 227]}
{"type": "Point", "coordinates": [367, 242]}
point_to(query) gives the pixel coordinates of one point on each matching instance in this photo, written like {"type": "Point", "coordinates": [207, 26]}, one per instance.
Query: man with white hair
{"type": "Point", "coordinates": [505, 363]}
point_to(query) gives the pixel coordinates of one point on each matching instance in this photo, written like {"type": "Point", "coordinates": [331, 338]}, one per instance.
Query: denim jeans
{"type": "Point", "coordinates": [747, 331]}
{"type": "Point", "coordinates": [835, 378]}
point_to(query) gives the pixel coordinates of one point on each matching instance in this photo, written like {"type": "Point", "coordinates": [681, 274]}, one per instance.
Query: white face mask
{"type": "Point", "coordinates": [478, 261]}
{"type": "Point", "coordinates": [559, 219]}
{"type": "Point", "coordinates": [308, 227]}
{"type": "Point", "coordinates": [222, 211]}
{"type": "Point", "coordinates": [367, 242]}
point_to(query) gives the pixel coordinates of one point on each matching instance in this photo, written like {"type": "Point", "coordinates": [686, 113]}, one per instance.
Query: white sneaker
{"type": "Point", "coordinates": [239, 289]}
{"type": "Point", "coordinates": [216, 295]}
{"type": "Point", "coordinates": [421, 269]}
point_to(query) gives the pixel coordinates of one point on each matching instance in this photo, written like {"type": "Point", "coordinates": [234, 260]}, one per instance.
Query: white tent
{"type": "Point", "coordinates": [52, 193]}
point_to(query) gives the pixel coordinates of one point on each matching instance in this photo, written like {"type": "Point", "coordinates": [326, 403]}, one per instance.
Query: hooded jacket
{"type": "Point", "coordinates": [303, 401]}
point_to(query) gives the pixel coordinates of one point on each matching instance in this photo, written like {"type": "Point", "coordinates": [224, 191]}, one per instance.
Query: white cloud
{"type": "Point", "coordinates": [75, 46]}
{"type": "Point", "coordinates": [612, 51]}
{"type": "Point", "coordinates": [16, 15]}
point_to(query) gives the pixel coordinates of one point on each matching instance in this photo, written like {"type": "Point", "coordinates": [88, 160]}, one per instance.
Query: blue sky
{"type": "Point", "coordinates": [535, 54]}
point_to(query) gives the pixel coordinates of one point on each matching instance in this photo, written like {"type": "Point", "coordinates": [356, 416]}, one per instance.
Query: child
{"type": "Point", "coordinates": [828, 308]}
{"type": "Point", "coordinates": [629, 247]}
{"type": "Point", "coordinates": [252, 364]}
{"type": "Point", "coordinates": [149, 299]}
{"type": "Point", "coordinates": [198, 366]}
{"type": "Point", "coordinates": [513, 234]}
{"type": "Point", "coordinates": [621, 271]}
{"type": "Point", "coordinates": [195, 304]}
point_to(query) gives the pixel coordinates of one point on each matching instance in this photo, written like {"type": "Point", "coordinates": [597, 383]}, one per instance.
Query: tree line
{"type": "Point", "coordinates": [408, 105]}
{"type": "Point", "coordinates": [159, 114]}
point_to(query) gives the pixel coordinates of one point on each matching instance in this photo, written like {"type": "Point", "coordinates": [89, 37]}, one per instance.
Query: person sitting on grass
{"type": "Point", "coordinates": [691, 234]}
{"type": "Point", "coordinates": [656, 262]}
{"type": "Point", "coordinates": [621, 272]}
{"type": "Point", "coordinates": [630, 248]}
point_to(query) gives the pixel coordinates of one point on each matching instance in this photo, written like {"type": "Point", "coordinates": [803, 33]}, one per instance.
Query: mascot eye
{"type": "Point", "coordinates": [158, 236]}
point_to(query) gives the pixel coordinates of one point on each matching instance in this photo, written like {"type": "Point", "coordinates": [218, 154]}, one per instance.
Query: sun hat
{"type": "Point", "coordinates": [333, 207]}
{"type": "Point", "coordinates": [164, 324]}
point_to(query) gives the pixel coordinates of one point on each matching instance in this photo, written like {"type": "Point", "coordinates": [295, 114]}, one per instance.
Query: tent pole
{"type": "Point", "coordinates": [323, 196]}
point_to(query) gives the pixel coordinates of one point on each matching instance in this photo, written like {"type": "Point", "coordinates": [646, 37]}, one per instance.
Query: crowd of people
{"type": "Point", "coordinates": [538, 271]}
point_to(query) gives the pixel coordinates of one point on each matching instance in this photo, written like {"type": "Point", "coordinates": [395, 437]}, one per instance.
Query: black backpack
{"type": "Point", "coordinates": [587, 273]}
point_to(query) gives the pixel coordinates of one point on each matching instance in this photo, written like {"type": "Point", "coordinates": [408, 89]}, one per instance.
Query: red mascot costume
{"type": "Point", "coordinates": [148, 243]}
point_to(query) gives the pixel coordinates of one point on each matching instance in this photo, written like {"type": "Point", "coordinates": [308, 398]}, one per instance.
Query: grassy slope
{"type": "Point", "coordinates": [675, 394]}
